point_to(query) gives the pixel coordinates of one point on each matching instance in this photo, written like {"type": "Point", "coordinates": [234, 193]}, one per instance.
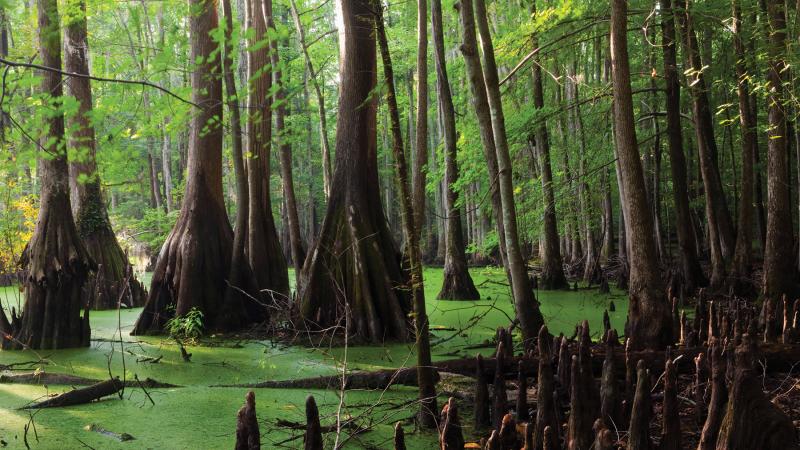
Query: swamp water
{"type": "Point", "coordinates": [197, 416]}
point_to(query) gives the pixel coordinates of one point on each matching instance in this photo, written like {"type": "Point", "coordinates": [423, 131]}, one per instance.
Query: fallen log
{"type": "Point", "coordinates": [380, 379]}
{"type": "Point", "coordinates": [776, 357]}
{"type": "Point", "coordinates": [53, 379]}
{"type": "Point", "coordinates": [80, 396]}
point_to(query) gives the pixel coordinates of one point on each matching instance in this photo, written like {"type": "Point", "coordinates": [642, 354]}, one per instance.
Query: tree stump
{"type": "Point", "coordinates": [247, 434]}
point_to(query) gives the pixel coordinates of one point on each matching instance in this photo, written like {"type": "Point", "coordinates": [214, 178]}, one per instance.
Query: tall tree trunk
{"type": "Point", "coordinates": [419, 173]}
{"type": "Point", "coordinates": [263, 246]}
{"type": "Point", "coordinates": [457, 283]}
{"type": "Point", "coordinates": [166, 168]}
{"type": "Point", "coordinates": [706, 143]}
{"type": "Point", "coordinates": [649, 322]}
{"type": "Point", "coordinates": [425, 377]}
{"type": "Point", "coordinates": [485, 89]}
{"type": "Point", "coordinates": [323, 119]}
{"type": "Point", "coordinates": [720, 230]}
{"type": "Point", "coordinates": [192, 267]}
{"type": "Point", "coordinates": [113, 282]}
{"type": "Point", "coordinates": [740, 269]}
{"type": "Point", "coordinates": [240, 275]}
{"type": "Point", "coordinates": [691, 271]}
{"type": "Point", "coordinates": [779, 269]}
{"type": "Point", "coordinates": [353, 276]}
{"type": "Point", "coordinates": [57, 263]}
{"type": "Point", "coordinates": [552, 276]}
{"type": "Point", "coordinates": [285, 149]}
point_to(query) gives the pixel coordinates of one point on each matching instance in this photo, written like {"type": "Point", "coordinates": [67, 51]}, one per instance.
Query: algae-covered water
{"type": "Point", "coordinates": [197, 416]}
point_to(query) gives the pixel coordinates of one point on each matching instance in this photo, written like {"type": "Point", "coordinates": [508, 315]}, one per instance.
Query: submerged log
{"type": "Point", "coordinates": [248, 436]}
{"type": "Point", "coordinates": [80, 396]}
{"type": "Point", "coordinates": [121, 437]}
{"type": "Point", "coordinates": [379, 379]}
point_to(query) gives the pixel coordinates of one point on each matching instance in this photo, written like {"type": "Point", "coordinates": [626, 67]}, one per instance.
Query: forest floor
{"type": "Point", "coordinates": [198, 416]}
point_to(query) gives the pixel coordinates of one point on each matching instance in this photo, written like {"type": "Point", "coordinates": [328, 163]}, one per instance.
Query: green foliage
{"type": "Point", "coordinates": [187, 327]}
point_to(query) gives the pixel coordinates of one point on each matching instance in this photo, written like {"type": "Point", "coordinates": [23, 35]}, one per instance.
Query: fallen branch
{"type": "Point", "coordinates": [80, 396]}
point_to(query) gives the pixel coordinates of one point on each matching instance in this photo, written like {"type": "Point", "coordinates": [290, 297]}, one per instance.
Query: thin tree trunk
{"type": "Point", "coordinates": [285, 149]}
{"type": "Point", "coordinates": [649, 322]}
{"type": "Point", "coordinates": [484, 83]}
{"type": "Point", "coordinates": [779, 268]}
{"type": "Point", "coordinates": [691, 271]}
{"type": "Point", "coordinates": [264, 251]}
{"type": "Point", "coordinates": [323, 120]}
{"type": "Point", "coordinates": [457, 283]}
{"type": "Point", "coordinates": [419, 173]}
{"type": "Point", "coordinates": [425, 375]}
{"type": "Point", "coordinates": [240, 275]}
{"type": "Point", "coordinates": [720, 231]}
{"type": "Point", "coordinates": [740, 269]}
{"type": "Point", "coordinates": [552, 276]}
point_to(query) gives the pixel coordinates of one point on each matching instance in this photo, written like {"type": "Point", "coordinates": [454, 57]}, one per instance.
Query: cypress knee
{"type": "Point", "coordinates": [639, 437]}
{"type": "Point", "coordinates": [313, 437]}
{"type": "Point", "coordinates": [247, 434]}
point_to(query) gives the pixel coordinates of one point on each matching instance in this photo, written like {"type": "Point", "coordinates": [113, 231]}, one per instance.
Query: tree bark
{"type": "Point", "coordinates": [484, 83]}
{"type": "Point", "coordinates": [691, 271]}
{"type": "Point", "coordinates": [779, 268]}
{"type": "Point", "coordinates": [56, 260]}
{"type": "Point", "coordinates": [113, 282]}
{"type": "Point", "coordinates": [419, 171]}
{"type": "Point", "coordinates": [195, 260]}
{"type": "Point", "coordinates": [353, 275]}
{"type": "Point", "coordinates": [457, 282]}
{"type": "Point", "coordinates": [425, 375]}
{"type": "Point", "coordinates": [649, 322]}
{"type": "Point", "coordinates": [263, 246]}
{"type": "Point", "coordinates": [740, 269]}
{"type": "Point", "coordinates": [285, 149]}
{"type": "Point", "coordinates": [552, 276]}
